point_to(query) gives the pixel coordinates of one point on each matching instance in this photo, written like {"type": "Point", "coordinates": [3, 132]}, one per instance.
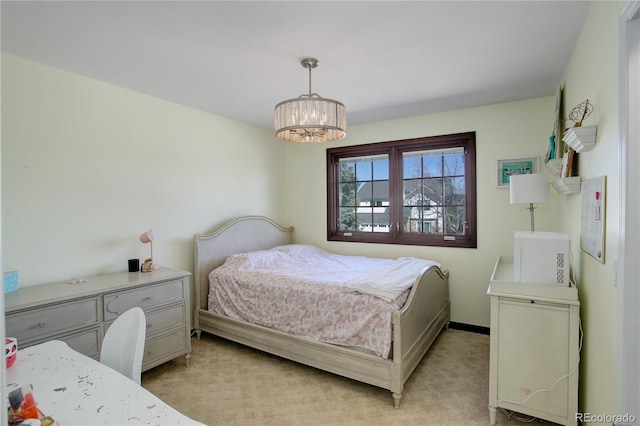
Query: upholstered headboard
{"type": "Point", "coordinates": [240, 235]}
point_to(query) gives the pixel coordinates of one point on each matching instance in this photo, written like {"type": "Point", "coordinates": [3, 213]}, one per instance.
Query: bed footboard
{"type": "Point", "coordinates": [417, 325]}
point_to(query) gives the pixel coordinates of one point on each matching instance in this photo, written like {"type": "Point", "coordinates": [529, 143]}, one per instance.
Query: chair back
{"type": "Point", "coordinates": [123, 344]}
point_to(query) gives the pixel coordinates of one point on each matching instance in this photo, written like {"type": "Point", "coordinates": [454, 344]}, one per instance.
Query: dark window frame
{"type": "Point", "coordinates": [394, 150]}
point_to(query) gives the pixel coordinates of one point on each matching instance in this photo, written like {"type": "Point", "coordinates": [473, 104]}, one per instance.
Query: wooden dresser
{"type": "Point", "coordinates": [79, 314]}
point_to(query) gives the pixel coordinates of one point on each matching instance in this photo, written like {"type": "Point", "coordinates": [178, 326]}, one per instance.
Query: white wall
{"type": "Point", "coordinates": [510, 130]}
{"type": "Point", "coordinates": [593, 74]}
{"type": "Point", "coordinates": [87, 167]}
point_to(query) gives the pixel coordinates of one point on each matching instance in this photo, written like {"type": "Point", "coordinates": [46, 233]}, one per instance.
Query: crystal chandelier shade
{"type": "Point", "coordinates": [310, 118]}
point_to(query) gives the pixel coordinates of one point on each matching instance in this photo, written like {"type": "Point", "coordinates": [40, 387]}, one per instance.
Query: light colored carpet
{"type": "Point", "coordinates": [229, 384]}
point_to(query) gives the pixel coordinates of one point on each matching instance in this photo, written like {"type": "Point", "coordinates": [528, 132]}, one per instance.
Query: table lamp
{"type": "Point", "coordinates": [147, 237]}
{"type": "Point", "coordinates": [531, 188]}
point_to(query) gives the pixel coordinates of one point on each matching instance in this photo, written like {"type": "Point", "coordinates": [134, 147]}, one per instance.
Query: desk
{"type": "Point", "coordinates": [77, 390]}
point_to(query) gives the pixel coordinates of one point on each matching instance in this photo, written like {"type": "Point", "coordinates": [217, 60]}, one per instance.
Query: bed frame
{"type": "Point", "coordinates": [416, 325]}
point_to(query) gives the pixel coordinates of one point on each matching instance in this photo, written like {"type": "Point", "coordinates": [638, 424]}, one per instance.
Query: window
{"type": "Point", "coordinates": [416, 191]}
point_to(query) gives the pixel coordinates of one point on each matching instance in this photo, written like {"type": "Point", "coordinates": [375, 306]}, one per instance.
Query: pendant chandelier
{"type": "Point", "coordinates": [310, 118]}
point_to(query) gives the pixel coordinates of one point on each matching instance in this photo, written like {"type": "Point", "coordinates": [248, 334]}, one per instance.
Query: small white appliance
{"type": "Point", "coordinates": [541, 258]}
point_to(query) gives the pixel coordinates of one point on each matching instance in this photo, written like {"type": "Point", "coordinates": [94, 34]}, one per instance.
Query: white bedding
{"type": "Point", "coordinates": [300, 289]}
{"type": "Point", "coordinates": [388, 283]}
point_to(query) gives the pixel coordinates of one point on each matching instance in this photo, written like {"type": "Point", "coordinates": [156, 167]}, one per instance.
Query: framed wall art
{"type": "Point", "coordinates": [515, 166]}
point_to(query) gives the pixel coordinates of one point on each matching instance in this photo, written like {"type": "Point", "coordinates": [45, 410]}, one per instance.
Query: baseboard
{"type": "Point", "coordinates": [469, 327]}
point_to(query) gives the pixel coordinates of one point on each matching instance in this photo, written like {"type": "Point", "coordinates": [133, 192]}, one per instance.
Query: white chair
{"type": "Point", "coordinates": [123, 344]}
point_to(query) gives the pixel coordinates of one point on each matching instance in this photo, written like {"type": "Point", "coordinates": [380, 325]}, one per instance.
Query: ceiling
{"type": "Point", "coordinates": [237, 59]}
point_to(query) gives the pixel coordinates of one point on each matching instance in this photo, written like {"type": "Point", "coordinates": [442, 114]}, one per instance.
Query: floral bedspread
{"type": "Point", "coordinates": [297, 289]}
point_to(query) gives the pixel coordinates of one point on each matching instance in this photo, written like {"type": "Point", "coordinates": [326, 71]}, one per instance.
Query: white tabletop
{"type": "Point", "coordinates": [77, 390]}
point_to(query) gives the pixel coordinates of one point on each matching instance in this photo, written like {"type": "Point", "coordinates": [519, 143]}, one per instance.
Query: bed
{"type": "Point", "coordinates": [415, 325]}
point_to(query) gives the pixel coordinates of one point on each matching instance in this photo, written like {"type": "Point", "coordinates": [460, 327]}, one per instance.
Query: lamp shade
{"type": "Point", "coordinates": [146, 237]}
{"type": "Point", "coordinates": [531, 188]}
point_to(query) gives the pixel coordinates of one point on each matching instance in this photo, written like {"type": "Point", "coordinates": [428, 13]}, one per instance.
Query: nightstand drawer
{"type": "Point", "coordinates": [32, 324]}
{"type": "Point", "coordinates": [146, 298]}
{"type": "Point", "coordinates": [164, 347]}
{"type": "Point", "coordinates": [165, 319]}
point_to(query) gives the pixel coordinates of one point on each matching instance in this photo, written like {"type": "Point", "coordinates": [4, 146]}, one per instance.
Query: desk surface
{"type": "Point", "coordinates": [77, 390]}
{"type": "Point", "coordinates": [502, 284]}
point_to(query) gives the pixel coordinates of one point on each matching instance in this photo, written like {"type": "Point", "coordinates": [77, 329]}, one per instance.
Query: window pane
{"type": "Point", "coordinates": [347, 219]}
{"type": "Point", "coordinates": [454, 220]}
{"type": "Point", "coordinates": [365, 219]}
{"type": "Point", "coordinates": [432, 166]}
{"type": "Point", "coordinates": [423, 220]}
{"type": "Point", "coordinates": [454, 191]}
{"type": "Point", "coordinates": [373, 207]}
{"type": "Point", "coordinates": [364, 194]}
{"type": "Point", "coordinates": [434, 219]}
{"type": "Point", "coordinates": [380, 204]}
{"type": "Point", "coordinates": [380, 193]}
{"type": "Point", "coordinates": [363, 167]}
{"type": "Point", "coordinates": [348, 194]}
{"type": "Point", "coordinates": [364, 182]}
{"type": "Point", "coordinates": [454, 165]}
{"type": "Point", "coordinates": [438, 183]}
{"type": "Point", "coordinates": [363, 170]}
{"type": "Point", "coordinates": [412, 192]}
{"type": "Point", "coordinates": [381, 169]}
{"type": "Point", "coordinates": [426, 191]}
{"type": "Point", "coordinates": [433, 190]}
{"type": "Point", "coordinates": [411, 167]}
{"type": "Point", "coordinates": [347, 171]}
{"type": "Point", "coordinates": [371, 219]}
{"type": "Point", "coordinates": [411, 218]}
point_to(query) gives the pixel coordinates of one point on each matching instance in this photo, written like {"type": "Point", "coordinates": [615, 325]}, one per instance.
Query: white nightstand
{"type": "Point", "coordinates": [535, 345]}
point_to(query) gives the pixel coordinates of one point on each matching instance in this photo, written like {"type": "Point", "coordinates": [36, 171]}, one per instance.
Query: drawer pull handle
{"type": "Point", "coordinates": [41, 324]}
{"type": "Point", "coordinates": [147, 298]}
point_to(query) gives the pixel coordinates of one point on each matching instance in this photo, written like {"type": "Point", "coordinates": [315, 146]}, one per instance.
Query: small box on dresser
{"type": "Point", "coordinates": [79, 314]}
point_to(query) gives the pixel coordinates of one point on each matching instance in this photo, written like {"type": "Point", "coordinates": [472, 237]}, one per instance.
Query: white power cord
{"type": "Point", "coordinates": [517, 416]}
{"type": "Point", "coordinates": [549, 389]}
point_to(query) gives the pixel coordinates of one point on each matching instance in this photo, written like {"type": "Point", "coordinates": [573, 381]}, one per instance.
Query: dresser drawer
{"type": "Point", "coordinates": [164, 348]}
{"type": "Point", "coordinates": [146, 298]}
{"type": "Point", "coordinates": [162, 320]}
{"type": "Point", "coordinates": [86, 342]}
{"type": "Point", "coordinates": [33, 324]}
{"type": "Point", "coordinates": [165, 319]}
